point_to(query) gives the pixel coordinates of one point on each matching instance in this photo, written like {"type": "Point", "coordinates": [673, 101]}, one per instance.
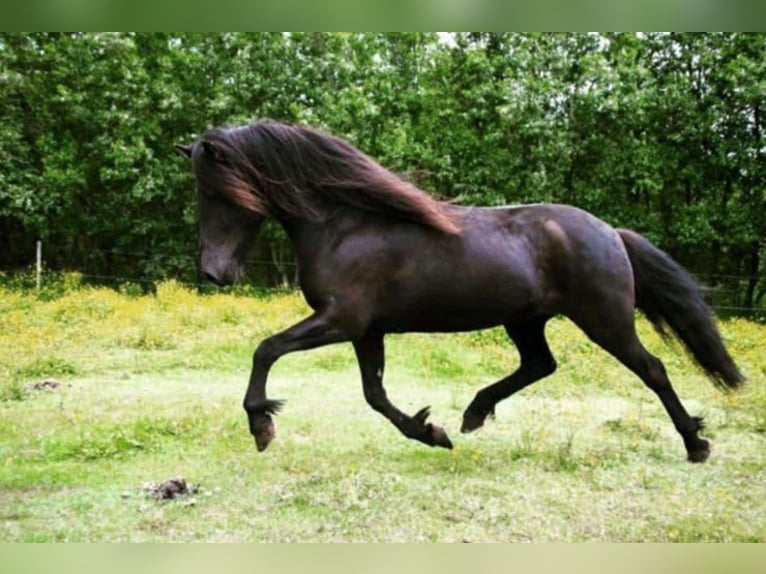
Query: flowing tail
{"type": "Point", "coordinates": [669, 296]}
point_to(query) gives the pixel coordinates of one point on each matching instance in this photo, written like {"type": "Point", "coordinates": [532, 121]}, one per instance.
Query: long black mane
{"type": "Point", "coordinates": [290, 171]}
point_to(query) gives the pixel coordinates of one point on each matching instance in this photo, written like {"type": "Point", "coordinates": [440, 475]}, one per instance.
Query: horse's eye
{"type": "Point", "coordinates": [206, 193]}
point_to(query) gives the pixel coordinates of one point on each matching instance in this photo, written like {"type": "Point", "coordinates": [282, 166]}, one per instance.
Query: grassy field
{"type": "Point", "coordinates": [151, 388]}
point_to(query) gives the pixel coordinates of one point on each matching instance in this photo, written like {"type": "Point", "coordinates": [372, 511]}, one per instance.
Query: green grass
{"type": "Point", "coordinates": [151, 389]}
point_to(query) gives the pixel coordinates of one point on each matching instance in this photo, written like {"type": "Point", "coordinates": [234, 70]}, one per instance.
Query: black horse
{"type": "Point", "coordinates": [376, 255]}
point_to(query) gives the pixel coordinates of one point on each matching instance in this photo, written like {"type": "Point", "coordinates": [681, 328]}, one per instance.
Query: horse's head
{"type": "Point", "coordinates": [228, 220]}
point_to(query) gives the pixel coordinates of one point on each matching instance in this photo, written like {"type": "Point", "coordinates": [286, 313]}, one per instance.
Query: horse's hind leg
{"type": "Point", "coordinates": [615, 332]}
{"type": "Point", "coordinates": [371, 356]}
{"type": "Point", "coordinates": [536, 362]}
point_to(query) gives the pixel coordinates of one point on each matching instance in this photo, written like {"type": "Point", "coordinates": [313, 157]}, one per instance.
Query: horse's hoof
{"type": "Point", "coordinates": [439, 437]}
{"type": "Point", "coordinates": [471, 422]}
{"type": "Point", "coordinates": [264, 435]}
{"type": "Point", "coordinates": [700, 453]}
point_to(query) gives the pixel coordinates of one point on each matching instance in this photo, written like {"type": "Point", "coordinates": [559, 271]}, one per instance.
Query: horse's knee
{"type": "Point", "coordinates": [266, 353]}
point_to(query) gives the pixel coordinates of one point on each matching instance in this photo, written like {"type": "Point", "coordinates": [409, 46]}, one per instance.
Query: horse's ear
{"type": "Point", "coordinates": [184, 149]}
{"type": "Point", "coordinates": [213, 151]}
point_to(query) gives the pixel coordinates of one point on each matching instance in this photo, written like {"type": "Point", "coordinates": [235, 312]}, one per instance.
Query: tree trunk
{"type": "Point", "coordinates": [752, 281]}
{"type": "Point", "coordinates": [278, 259]}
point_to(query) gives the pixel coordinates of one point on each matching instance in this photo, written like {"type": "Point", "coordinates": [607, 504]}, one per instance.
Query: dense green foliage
{"type": "Point", "coordinates": [658, 132]}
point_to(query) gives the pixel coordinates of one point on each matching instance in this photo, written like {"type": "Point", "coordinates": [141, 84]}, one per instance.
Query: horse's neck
{"type": "Point", "coordinates": [307, 238]}
{"type": "Point", "coordinates": [311, 239]}
{"type": "Point", "coordinates": [303, 233]}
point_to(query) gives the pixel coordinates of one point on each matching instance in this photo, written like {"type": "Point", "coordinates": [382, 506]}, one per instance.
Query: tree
{"type": "Point", "coordinates": [662, 133]}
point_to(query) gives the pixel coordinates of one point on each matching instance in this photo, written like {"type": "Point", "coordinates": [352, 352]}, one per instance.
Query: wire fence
{"type": "Point", "coordinates": [721, 290]}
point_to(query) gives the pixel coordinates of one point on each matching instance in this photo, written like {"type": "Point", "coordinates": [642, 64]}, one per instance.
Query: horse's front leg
{"type": "Point", "coordinates": [315, 331]}
{"type": "Point", "coordinates": [371, 356]}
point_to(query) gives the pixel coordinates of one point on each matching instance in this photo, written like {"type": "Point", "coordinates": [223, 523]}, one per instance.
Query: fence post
{"type": "Point", "coordinates": [39, 266]}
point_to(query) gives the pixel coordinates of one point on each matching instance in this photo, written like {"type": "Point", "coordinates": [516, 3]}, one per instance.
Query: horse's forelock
{"type": "Point", "coordinates": [222, 168]}
{"type": "Point", "coordinates": [241, 193]}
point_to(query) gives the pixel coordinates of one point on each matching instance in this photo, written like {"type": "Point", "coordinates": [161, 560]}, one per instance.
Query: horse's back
{"type": "Point", "coordinates": [506, 264]}
{"type": "Point", "coordinates": [573, 257]}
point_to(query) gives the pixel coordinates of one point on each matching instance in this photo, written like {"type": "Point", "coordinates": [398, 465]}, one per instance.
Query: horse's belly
{"type": "Point", "coordinates": [468, 315]}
